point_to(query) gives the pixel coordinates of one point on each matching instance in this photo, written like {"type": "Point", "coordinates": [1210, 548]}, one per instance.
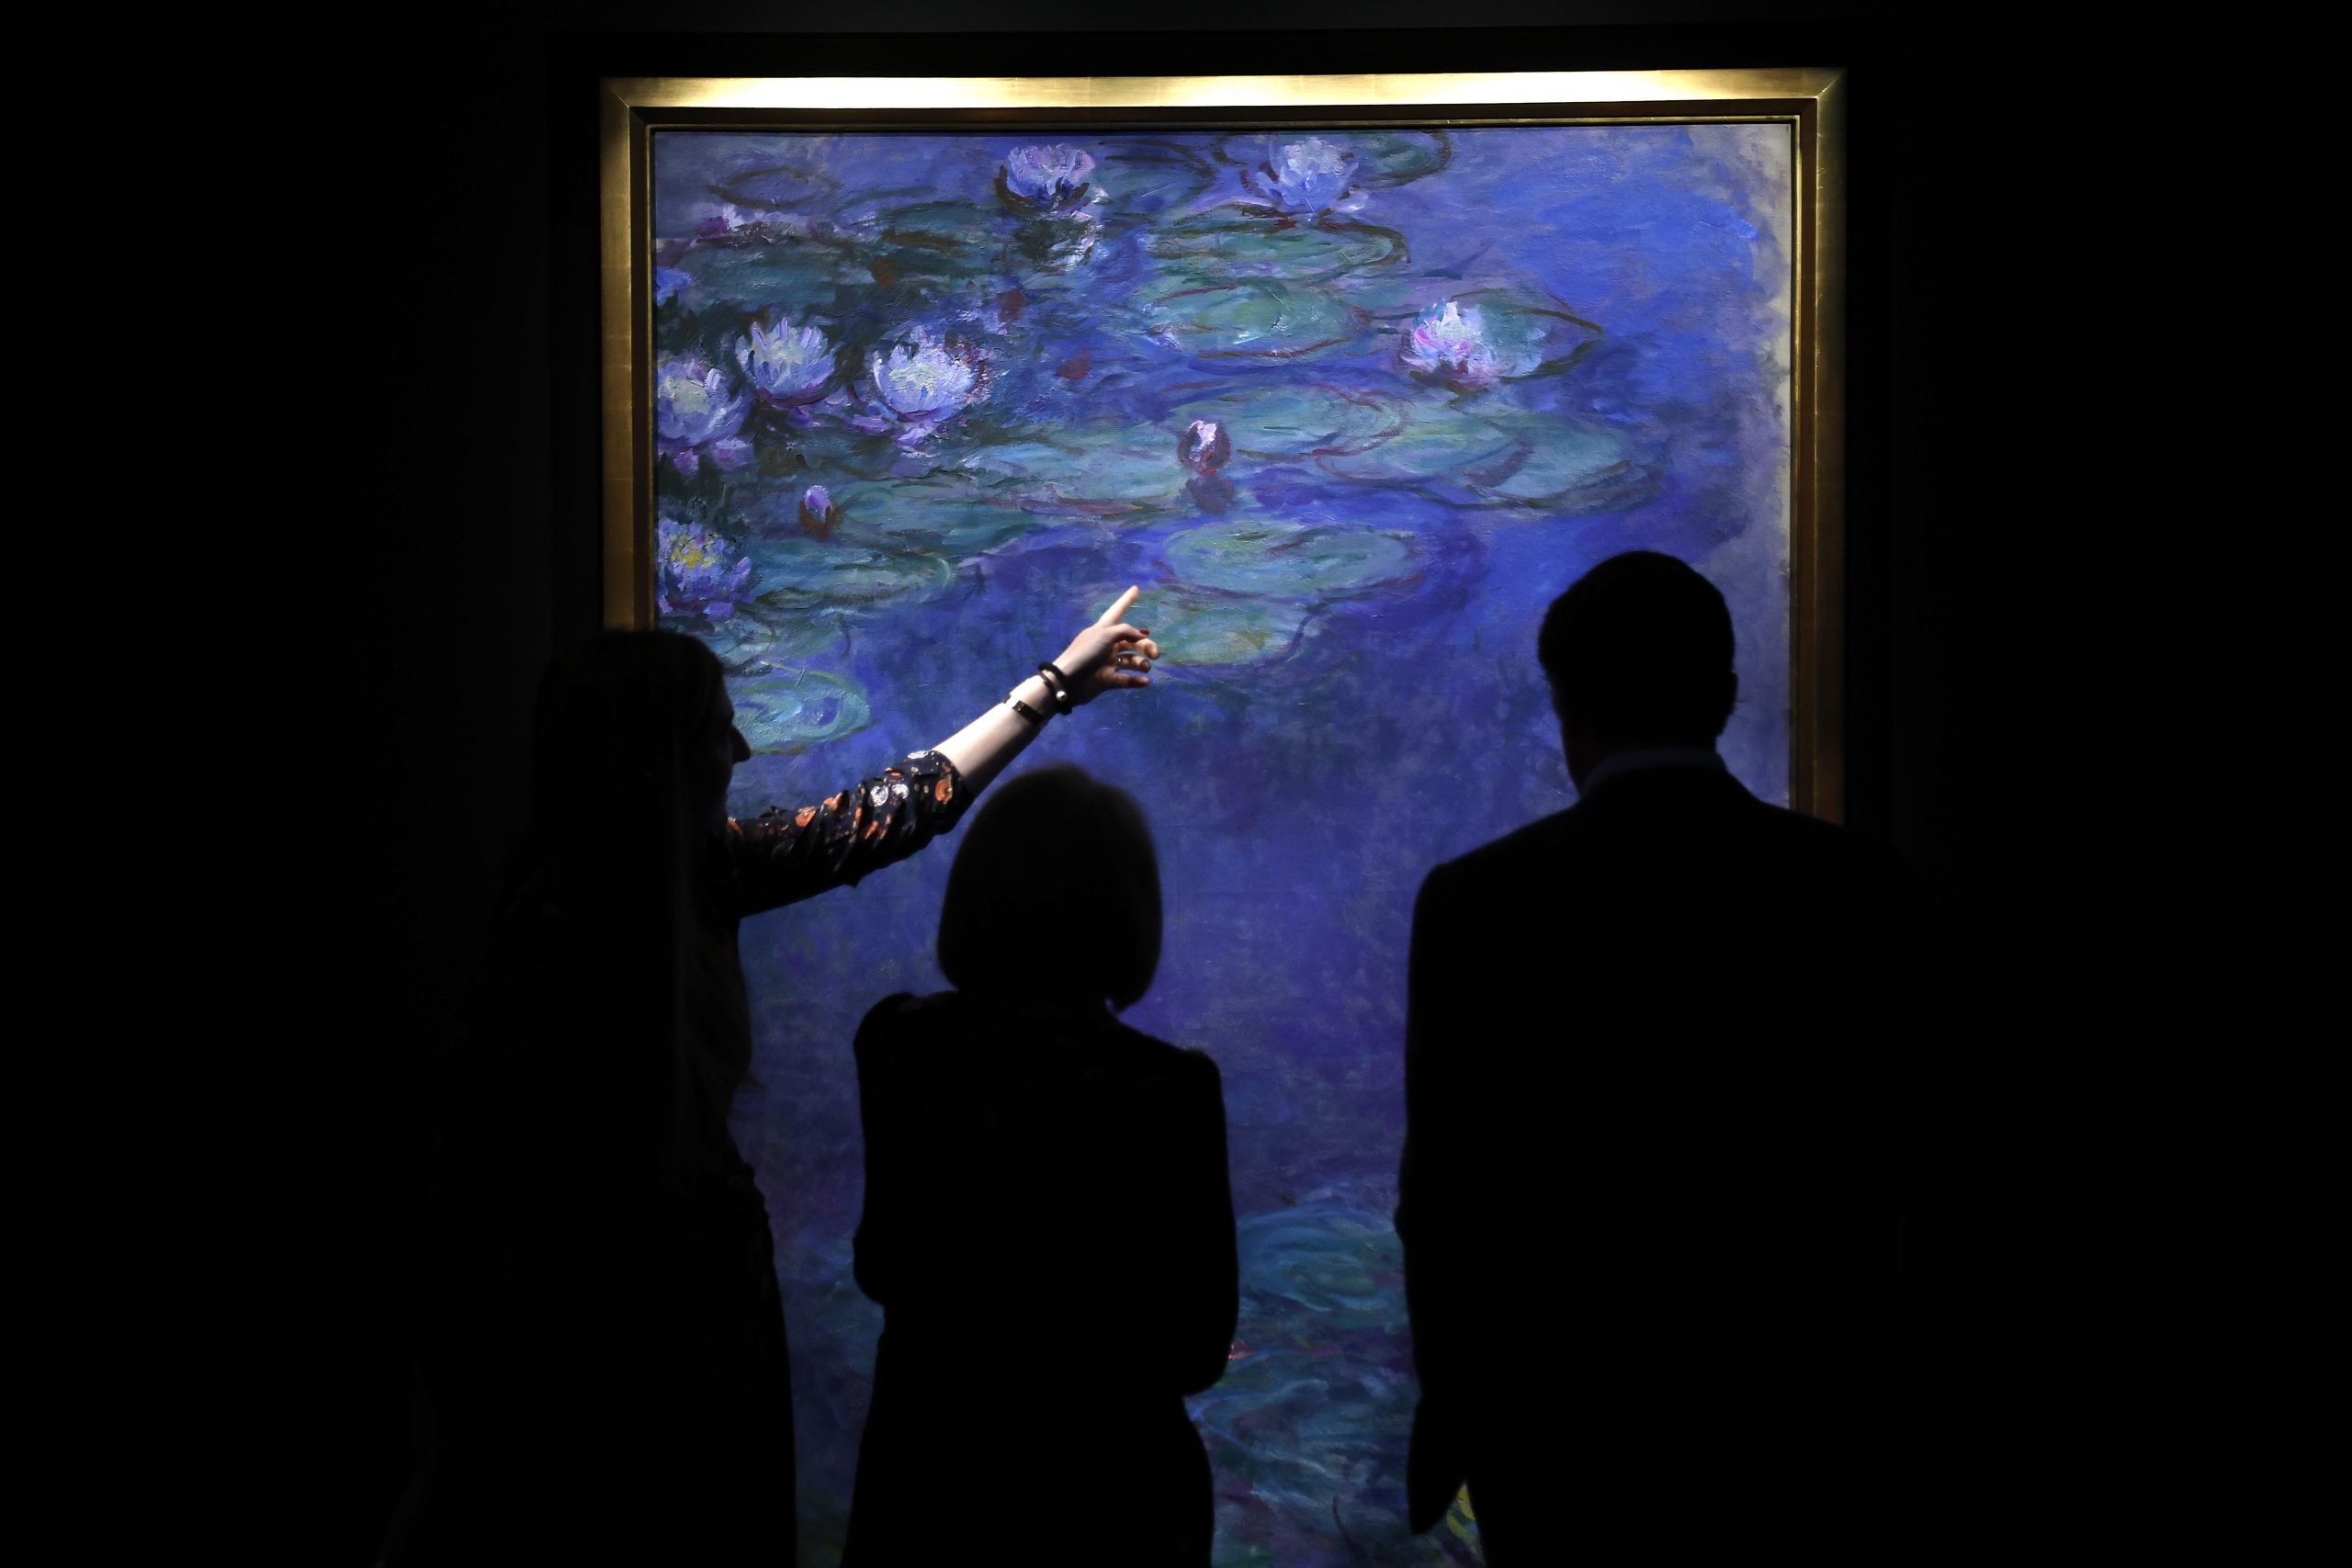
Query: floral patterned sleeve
{"type": "Point", "coordinates": [782, 854]}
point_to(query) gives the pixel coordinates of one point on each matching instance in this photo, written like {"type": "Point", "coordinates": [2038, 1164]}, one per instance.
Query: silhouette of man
{"type": "Point", "coordinates": [1694, 1201]}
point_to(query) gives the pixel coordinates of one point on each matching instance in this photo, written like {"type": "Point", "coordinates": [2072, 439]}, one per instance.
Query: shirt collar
{"type": "Point", "coordinates": [1620, 762]}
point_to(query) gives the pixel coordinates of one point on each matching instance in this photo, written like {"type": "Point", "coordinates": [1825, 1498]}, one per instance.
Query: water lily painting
{"type": "Point", "coordinates": [1351, 404]}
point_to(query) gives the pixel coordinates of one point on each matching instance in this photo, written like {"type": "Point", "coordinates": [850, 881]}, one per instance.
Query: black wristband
{"type": "Point", "coordinates": [1024, 710]}
{"type": "Point", "coordinates": [1056, 682]}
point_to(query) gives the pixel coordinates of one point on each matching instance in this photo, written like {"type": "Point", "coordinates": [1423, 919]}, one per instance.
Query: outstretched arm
{"type": "Point", "coordinates": [1105, 656]}
{"type": "Point", "coordinates": [787, 854]}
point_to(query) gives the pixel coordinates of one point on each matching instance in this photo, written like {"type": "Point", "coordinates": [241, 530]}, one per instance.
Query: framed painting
{"type": "Point", "coordinates": [906, 378]}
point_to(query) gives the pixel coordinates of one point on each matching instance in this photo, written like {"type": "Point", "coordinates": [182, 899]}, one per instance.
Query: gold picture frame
{"type": "Point", "coordinates": [1808, 101]}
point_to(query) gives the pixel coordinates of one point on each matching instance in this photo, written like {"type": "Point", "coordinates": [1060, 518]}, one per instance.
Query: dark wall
{"type": "Point", "coordinates": [2006, 725]}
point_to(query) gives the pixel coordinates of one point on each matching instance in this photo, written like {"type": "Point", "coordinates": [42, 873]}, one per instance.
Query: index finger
{"type": "Point", "coordinates": [1118, 612]}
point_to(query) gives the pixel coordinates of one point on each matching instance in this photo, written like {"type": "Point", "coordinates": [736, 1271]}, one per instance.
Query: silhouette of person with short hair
{"type": "Point", "coordinates": [1696, 1201]}
{"type": "Point", "coordinates": [1048, 1226]}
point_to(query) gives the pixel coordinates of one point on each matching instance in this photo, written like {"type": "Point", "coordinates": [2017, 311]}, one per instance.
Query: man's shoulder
{"type": "Point", "coordinates": [1522, 852]}
{"type": "Point", "coordinates": [1829, 844]}
{"type": "Point", "coordinates": [1598, 834]}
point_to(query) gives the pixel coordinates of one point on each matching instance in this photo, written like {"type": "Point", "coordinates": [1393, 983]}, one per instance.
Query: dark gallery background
{"type": "Point", "coordinates": [2009, 725]}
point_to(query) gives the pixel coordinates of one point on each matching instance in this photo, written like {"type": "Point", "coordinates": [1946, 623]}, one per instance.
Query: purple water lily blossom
{"type": "Point", "coordinates": [1051, 179]}
{"type": "Point", "coordinates": [1308, 177]}
{"type": "Point", "coordinates": [1205, 447]}
{"type": "Point", "coordinates": [696, 578]}
{"type": "Point", "coordinates": [923, 383]}
{"type": "Point", "coordinates": [1448, 345]}
{"type": "Point", "coordinates": [696, 412]}
{"type": "Point", "coordinates": [789, 368]}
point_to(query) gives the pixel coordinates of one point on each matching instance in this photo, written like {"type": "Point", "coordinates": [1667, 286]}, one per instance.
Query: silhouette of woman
{"type": "Point", "coordinates": [1048, 1226]}
{"type": "Point", "coordinates": [603, 1373]}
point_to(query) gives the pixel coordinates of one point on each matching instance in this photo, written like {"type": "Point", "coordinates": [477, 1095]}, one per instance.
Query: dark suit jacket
{"type": "Point", "coordinates": [1695, 1198]}
{"type": "Point", "coordinates": [1049, 1231]}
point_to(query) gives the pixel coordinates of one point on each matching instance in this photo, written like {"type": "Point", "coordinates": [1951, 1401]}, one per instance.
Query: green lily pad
{"type": "Point", "coordinates": [1398, 157]}
{"type": "Point", "coordinates": [928, 520]}
{"type": "Point", "coordinates": [1095, 470]}
{"type": "Point", "coordinates": [1297, 421]}
{"type": "Point", "coordinates": [752, 635]}
{"type": "Point", "coordinates": [794, 276]}
{"type": "Point", "coordinates": [937, 225]}
{"type": "Point", "coordinates": [1561, 460]}
{"type": "Point", "coordinates": [1147, 176]}
{"type": "Point", "coordinates": [1262, 555]}
{"type": "Point", "coordinates": [796, 573]}
{"type": "Point", "coordinates": [796, 456]}
{"type": "Point", "coordinates": [782, 185]}
{"type": "Point", "coordinates": [1255, 320]}
{"type": "Point", "coordinates": [994, 465]}
{"type": "Point", "coordinates": [1395, 295]}
{"type": "Point", "coordinates": [1528, 337]}
{"type": "Point", "coordinates": [942, 240]}
{"type": "Point", "coordinates": [783, 709]}
{"type": "Point", "coordinates": [1204, 632]}
{"type": "Point", "coordinates": [1438, 439]}
{"type": "Point", "coordinates": [1327, 1260]}
{"type": "Point", "coordinates": [799, 635]}
{"type": "Point", "coordinates": [1213, 247]}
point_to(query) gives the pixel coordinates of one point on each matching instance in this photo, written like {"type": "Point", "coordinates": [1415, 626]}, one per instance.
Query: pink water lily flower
{"type": "Point", "coordinates": [1448, 345]}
